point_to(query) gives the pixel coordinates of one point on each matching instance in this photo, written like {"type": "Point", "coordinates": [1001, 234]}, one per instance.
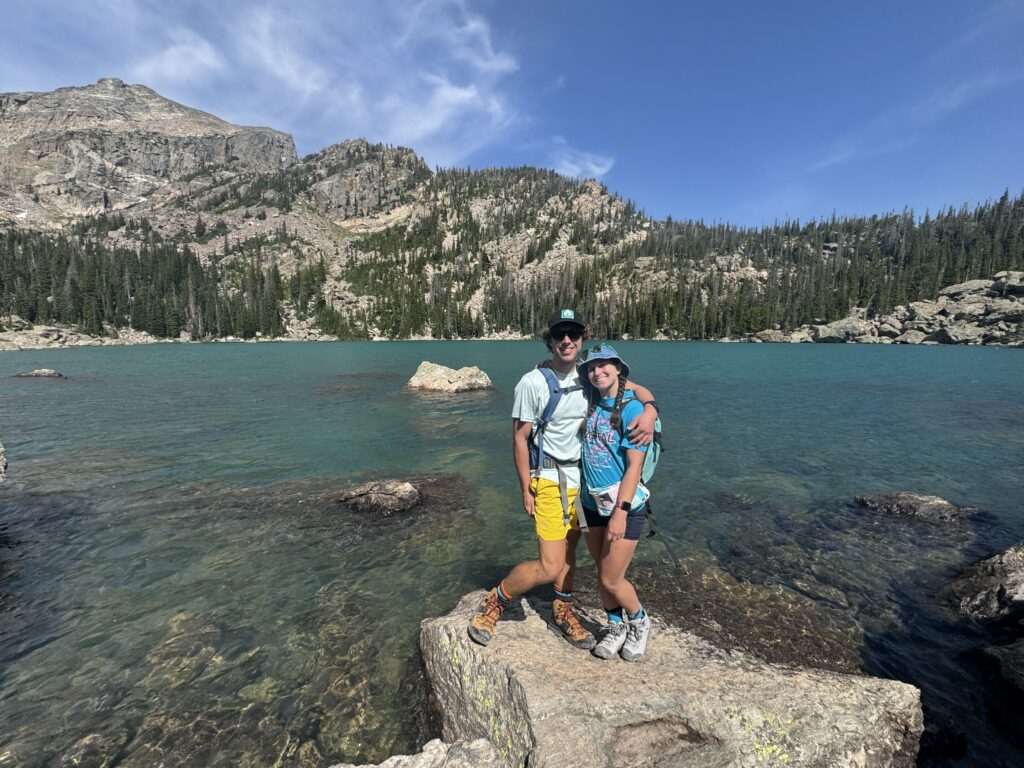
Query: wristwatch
{"type": "Point", "coordinates": [625, 505]}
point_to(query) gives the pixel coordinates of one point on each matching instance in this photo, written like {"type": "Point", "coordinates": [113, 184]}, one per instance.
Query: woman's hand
{"type": "Point", "coordinates": [641, 429]}
{"type": "Point", "coordinates": [617, 525]}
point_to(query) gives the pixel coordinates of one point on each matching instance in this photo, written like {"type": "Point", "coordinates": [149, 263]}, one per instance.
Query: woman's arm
{"type": "Point", "coordinates": [627, 487]}
{"type": "Point", "coordinates": [641, 430]}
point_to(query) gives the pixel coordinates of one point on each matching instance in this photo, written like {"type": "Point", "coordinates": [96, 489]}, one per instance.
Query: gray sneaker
{"type": "Point", "coordinates": [612, 641]}
{"type": "Point", "coordinates": [637, 634]}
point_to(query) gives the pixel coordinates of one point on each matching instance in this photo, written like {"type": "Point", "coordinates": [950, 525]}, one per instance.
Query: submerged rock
{"type": "Point", "coordinates": [687, 703]}
{"type": "Point", "coordinates": [436, 754]}
{"type": "Point", "coordinates": [438, 378]}
{"type": "Point", "coordinates": [1009, 660]}
{"type": "Point", "coordinates": [41, 373]}
{"type": "Point", "coordinates": [992, 589]}
{"type": "Point", "coordinates": [382, 497]}
{"type": "Point", "coordinates": [918, 506]}
{"type": "Point", "coordinates": [3, 464]}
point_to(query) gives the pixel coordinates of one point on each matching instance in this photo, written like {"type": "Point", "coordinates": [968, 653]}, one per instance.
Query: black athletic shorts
{"type": "Point", "coordinates": [634, 522]}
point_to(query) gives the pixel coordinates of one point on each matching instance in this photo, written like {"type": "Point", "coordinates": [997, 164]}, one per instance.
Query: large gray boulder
{"type": "Point", "coordinates": [992, 589]}
{"type": "Point", "coordinates": [917, 506]}
{"type": "Point", "coordinates": [958, 334]}
{"type": "Point", "coordinates": [436, 754]}
{"type": "Point", "coordinates": [912, 336]}
{"type": "Point", "coordinates": [545, 704]}
{"type": "Point", "coordinates": [439, 378]}
{"type": "Point", "coordinates": [970, 287]}
{"type": "Point", "coordinates": [1009, 283]}
{"type": "Point", "coordinates": [842, 331]}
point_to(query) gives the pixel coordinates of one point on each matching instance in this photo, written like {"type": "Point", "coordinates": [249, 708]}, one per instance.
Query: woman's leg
{"type": "Point", "coordinates": [595, 543]}
{"type": "Point", "coordinates": [611, 571]}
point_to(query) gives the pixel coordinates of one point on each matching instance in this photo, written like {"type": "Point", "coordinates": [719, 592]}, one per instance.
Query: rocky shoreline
{"type": "Point", "coordinates": [978, 312]}
{"type": "Point", "coordinates": [989, 312]}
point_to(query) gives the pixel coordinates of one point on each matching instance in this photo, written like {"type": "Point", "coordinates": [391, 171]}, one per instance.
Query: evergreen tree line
{"type": "Point", "coordinates": [813, 272]}
{"type": "Point", "coordinates": [161, 288]}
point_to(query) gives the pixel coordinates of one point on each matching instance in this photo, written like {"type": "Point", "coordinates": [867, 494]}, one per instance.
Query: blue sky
{"type": "Point", "coordinates": [737, 112]}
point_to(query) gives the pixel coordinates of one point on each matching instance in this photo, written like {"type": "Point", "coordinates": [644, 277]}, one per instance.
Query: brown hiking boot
{"type": "Point", "coordinates": [564, 615]}
{"type": "Point", "coordinates": [481, 627]}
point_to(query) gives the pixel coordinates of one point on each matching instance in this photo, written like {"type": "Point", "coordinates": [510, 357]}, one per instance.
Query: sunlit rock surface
{"type": "Point", "coordinates": [438, 378]}
{"type": "Point", "coordinates": [543, 703]}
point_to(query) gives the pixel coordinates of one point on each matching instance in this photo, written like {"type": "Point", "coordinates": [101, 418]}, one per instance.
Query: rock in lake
{"type": "Point", "coordinates": [437, 754]}
{"type": "Point", "coordinates": [992, 589]}
{"type": "Point", "coordinates": [1009, 661]}
{"type": "Point", "coordinates": [917, 506]}
{"type": "Point", "coordinates": [438, 378]}
{"type": "Point", "coordinates": [41, 373]}
{"type": "Point", "coordinates": [543, 703]}
{"type": "Point", "coordinates": [842, 331]}
{"type": "Point", "coordinates": [382, 497]}
{"type": "Point", "coordinates": [3, 464]}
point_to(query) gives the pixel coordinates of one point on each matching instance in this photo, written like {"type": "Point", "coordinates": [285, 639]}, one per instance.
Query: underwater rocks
{"type": "Point", "coordinates": [436, 754]}
{"type": "Point", "coordinates": [992, 589]}
{"type": "Point", "coordinates": [438, 378]}
{"type": "Point", "coordinates": [688, 703]}
{"type": "Point", "coordinates": [917, 506]}
{"type": "Point", "coordinates": [382, 497]}
{"type": "Point", "coordinates": [41, 373]}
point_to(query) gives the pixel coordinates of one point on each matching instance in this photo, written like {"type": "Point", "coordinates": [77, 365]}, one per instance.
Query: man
{"type": "Point", "coordinates": [551, 486]}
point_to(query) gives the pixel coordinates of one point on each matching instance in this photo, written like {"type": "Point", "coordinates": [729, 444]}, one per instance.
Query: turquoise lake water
{"type": "Point", "coordinates": [175, 583]}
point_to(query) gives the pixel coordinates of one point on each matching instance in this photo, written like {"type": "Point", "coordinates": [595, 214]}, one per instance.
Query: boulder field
{"type": "Point", "coordinates": [975, 312]}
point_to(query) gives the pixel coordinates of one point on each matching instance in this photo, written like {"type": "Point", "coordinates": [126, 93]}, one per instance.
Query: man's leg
{"type": "Point", "coordinates": [555, 565]}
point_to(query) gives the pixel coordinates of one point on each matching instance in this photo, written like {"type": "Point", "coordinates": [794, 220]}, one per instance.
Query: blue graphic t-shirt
{"type": "Point", "coordinates": [604, 449]}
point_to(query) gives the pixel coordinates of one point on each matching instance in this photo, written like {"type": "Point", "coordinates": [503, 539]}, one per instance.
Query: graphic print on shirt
{"type": "Point", "coordinates": [602, 441]}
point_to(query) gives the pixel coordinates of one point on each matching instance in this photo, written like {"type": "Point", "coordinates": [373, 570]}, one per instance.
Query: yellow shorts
{"type": "Point", "coordinates": [547, 511]}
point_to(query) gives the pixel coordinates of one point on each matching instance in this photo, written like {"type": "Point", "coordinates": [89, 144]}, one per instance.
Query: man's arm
{"type": "Point", "coordinates": [641, 430]}
{"type": "Point", "coordinates": [521, 455]}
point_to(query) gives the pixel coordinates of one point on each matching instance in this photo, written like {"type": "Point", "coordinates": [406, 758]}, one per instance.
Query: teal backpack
{"type": "Point", "coordinates": [653, 454]}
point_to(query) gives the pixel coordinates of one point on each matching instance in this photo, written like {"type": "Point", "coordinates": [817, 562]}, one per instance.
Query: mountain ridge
{"type": "Point", "coordinates": [364, 240]}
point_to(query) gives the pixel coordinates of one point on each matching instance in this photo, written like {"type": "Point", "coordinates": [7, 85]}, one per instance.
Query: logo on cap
{"type": "Point", "coordinates": [568, 314]}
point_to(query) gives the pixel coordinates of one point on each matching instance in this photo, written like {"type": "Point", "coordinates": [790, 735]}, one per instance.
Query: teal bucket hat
{"type": "Point", "coordinates": [599, 352]}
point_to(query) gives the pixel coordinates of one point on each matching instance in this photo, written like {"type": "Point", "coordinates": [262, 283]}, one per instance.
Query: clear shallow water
{"type": "Point", "coordinates": [174, 586]}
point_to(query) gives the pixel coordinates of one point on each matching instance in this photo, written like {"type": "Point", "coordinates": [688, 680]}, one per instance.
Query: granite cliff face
{"type": "Point", "coordinates": [106, 146]}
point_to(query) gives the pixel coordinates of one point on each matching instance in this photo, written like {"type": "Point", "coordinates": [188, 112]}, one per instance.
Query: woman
{"type": "Point", "coordinates": [613, 498]}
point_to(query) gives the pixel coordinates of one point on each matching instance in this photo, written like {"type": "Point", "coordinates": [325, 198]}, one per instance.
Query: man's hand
{"type": "Point", "coordinates": [529, 501]}
{"type": "Point", "coordinates": [641, 429]}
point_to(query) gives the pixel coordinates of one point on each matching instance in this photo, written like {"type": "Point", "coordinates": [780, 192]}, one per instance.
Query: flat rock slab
{"type": "Point", "coordinates": [917, 506]}
{"type": "Point", "coordinates": [41, 373]}
{"type": "Point", "coordinates": [438, 378]}
{"type": "Point", "coordinates": [992, 589]}
{"type": "Point", "coordinates": [544, 704]}
{"type": "Point", "coordinates": [436, 754]}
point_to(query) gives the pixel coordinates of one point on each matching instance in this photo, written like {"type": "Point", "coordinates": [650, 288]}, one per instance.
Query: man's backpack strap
{"type": "Point", "coordinates": [555, 393]}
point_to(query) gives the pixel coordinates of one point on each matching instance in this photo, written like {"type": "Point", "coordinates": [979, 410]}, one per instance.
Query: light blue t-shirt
{"type": "Point", "coordinates": [604, 449]}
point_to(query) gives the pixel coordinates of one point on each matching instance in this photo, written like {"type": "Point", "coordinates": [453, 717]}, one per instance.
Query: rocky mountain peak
{"type": "Point", "coordinates": [86, 149]}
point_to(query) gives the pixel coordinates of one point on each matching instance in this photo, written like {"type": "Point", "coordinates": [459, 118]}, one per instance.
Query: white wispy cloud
{"type": "Point", "coordinates": [187, 58]}
{"type": "Point", "coordinates": [273, 42]}
{"type": "Point", "coordinates": [577, 163]}
{"type": "Point", "coordinates": [982, 59]}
